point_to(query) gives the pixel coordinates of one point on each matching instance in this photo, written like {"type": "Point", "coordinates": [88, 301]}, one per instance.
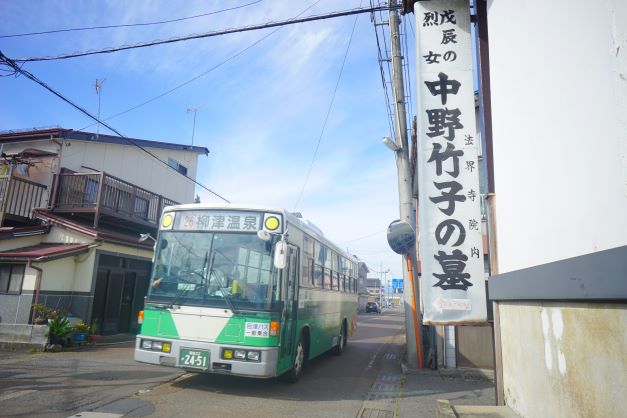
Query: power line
{"type": "Point", "coordinates": [232, 57]}
{"type": "Point", "coordinates": [128, 25]}
{"type": "Point", "coordinates": [381, 59]}
{"type": "Point", "coordinates": [17, 69]}
{"type": "Point", "coordinates": [326, 119]}
{"type": "Point", "coordinates": [406, 61]}
{"type": "Point", "coordinates": [363, 237]}
{"type": "Point", "coordinates": [205, 35]}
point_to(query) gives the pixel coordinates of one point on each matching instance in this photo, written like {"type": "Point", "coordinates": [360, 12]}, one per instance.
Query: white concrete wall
{"type": "Point", "coordinates": [558, 72]}
{"type": "Point", "coordinates": [131, 164]}
{"type": "Point", "coordinates": [564, 360]}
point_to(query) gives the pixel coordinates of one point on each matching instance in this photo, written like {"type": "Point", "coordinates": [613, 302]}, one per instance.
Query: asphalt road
{"type": "Point", "coordinates": [107, 380]}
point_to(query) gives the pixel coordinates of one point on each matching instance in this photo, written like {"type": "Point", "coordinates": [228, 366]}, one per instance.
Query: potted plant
{"type": "Point", "coordinates": [93, 332]}
{"type": "Point", "coordinates": [81, 331]}
{"type": "Point", "coordinates": [58, 329]}
{"type": "Point", "coordinates": [41, 314]}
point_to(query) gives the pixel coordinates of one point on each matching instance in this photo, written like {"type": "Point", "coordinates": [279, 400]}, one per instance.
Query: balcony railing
{"type": "Point", "coordinates": [104, 194]}
{"type": "Point", "coordinates": [18, 198]}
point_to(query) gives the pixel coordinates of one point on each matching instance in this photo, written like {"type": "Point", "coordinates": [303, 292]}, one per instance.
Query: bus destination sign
{"type": "Point", "coordinates": [218, 221]}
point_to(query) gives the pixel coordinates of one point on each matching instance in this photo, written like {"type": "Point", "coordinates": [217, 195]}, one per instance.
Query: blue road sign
{"type": "Point", "coordinates": [397, 283]}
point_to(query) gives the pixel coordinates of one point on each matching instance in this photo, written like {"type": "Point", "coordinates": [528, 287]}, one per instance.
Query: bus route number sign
{"type": "Point", "coordinates": [196, 359]}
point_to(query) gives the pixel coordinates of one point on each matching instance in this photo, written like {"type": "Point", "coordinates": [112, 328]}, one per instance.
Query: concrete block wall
{"type": "Point", "coordinates": [23, 336]}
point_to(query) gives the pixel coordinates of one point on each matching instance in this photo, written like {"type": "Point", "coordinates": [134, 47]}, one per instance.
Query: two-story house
{"type": "Point", "coordinates": [72, 207]}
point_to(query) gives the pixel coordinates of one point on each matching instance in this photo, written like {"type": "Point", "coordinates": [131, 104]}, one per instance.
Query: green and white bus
{"type": "Point", "coordinates": [247, 291]}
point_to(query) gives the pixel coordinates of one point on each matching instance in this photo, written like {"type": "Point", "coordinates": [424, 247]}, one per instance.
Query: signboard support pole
{"type": "Point", "coordinates": [414, 310]}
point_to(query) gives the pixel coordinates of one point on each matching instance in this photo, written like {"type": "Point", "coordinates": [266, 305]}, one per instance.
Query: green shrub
{"type": "Point", "coordinates": [59, 328]}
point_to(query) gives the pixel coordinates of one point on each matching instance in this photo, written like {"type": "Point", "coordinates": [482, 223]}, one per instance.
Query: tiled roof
{"type": "Point", "coordinates": [108, 236]}
{"type": "Point", "coordinates": [44, 252]}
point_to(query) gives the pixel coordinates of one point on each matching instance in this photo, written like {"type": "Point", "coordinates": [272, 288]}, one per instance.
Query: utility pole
{"type": "Point", "coordinates": [406, 202]}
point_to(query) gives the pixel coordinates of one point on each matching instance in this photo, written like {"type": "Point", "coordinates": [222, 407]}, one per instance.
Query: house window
{"type": "Point", "coordinates": [177, 166]}
{"type": "Point", "coordinates": [11, 278]}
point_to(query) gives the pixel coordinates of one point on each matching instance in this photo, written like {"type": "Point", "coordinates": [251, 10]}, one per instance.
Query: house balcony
{"type": "Point", "coordinates": [18, 198]}
{"type": "Point", "coordinates": [108, 201]}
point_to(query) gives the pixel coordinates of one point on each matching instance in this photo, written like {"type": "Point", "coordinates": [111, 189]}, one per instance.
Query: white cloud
{"type": "Point", "coordinates": [261, 114]}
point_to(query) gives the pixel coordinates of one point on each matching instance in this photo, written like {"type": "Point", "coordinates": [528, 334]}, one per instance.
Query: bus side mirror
{"type": "Point", "coordinates": [280, 255]}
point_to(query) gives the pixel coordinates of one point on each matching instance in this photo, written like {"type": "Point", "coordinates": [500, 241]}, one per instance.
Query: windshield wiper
{"type": "Point", "coordinates": [179, 296]}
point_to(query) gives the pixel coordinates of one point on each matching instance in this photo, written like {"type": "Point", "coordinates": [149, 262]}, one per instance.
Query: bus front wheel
{"type": "Point", "coordinates": [293, 375]}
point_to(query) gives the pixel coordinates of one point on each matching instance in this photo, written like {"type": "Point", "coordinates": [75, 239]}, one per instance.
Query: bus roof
{"type": "Point", "coordinates": [304, 224]}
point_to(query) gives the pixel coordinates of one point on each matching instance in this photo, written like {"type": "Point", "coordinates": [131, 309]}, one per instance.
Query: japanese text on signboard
{"type": "Point", "coordinates": [450, 213]}
{"type": "Point", "coordinates": [218, 221]}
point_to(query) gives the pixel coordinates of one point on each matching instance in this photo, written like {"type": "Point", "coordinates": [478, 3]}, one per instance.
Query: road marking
{"type": "Point", "coordinates": [95, 415]}
{"type": "Point", "coordinates": [17, 393]}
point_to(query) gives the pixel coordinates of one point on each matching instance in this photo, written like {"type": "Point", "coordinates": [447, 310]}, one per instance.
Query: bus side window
{"type": "Point", "coordinates": [306, 272]}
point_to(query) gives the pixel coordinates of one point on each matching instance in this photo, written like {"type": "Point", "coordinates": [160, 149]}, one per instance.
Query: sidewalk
{"type": "Point", "coordinates": [421, 390]}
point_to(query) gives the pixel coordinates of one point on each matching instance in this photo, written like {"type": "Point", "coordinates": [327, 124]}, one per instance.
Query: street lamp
{"type": "Point", "coordinates": [147, 236]}
{"type": "Point", "coordinates": [390, 144]}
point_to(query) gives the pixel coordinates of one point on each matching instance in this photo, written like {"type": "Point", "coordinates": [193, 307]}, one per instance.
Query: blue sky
{"type": "Point", "coordinates": [260, 114]}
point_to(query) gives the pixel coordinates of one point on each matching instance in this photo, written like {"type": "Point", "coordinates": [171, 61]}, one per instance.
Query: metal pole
{"type": "Point", "coordinates": [406, 203]}
{"type": "Point", "coordinates": [98, 89]}
{"type": "Point", "coordinates": [194, 128]}
{"type": "Point", "coordinates": [194, 110]}
{"type": "Point", "coordinates": [380, 284]}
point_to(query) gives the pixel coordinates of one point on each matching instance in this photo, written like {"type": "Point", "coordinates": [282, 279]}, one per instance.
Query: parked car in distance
{"type": "Point", "coordinates": [373, 307]}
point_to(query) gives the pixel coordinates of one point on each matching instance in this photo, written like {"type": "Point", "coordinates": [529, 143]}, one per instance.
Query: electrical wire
{"type": "Point", "coordinates": [362, 237]}
{"type": "Point", "coordinates": [326, 119]}
{"type": "Point", "coordinates": [215, 67]}
{"type": "Point", "coordinates": [19, 70]}
{"type": "Point", "coordinates": [381, 59]}
{"type": "Point", "coordinates": [128, 25]}
{"type": "Point", "coordinates": [406, 60]}
{"type": "Point", "coordinates": [205, 35]}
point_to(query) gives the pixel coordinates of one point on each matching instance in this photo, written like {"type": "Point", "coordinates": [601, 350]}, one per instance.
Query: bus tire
{"type": "Point", "coordinates": [300, 357]}
{"type": "Point", "coordinates": [339, 348]}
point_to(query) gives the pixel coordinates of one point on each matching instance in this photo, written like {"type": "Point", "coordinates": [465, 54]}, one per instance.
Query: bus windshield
{"type": "Point", "coordinates": [212, 269]}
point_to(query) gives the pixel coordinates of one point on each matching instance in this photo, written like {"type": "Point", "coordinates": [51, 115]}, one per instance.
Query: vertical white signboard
{"type": "Point", "coordinates": [451, 246]}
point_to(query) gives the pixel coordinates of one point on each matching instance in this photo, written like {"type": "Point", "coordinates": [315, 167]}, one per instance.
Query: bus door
{"type": "Point", "coordinates": [291, 304]}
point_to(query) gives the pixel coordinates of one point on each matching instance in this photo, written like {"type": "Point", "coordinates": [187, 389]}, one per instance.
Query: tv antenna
{"type": "Point", "coordinates": [193, 110]}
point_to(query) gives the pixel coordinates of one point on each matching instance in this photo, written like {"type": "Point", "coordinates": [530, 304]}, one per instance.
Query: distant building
{"type": "Point", "coordinates": [362, 274]}
{"type": "Point", "coordinates": [374, 290]}
{"type": "Point", "coordinates": [72, 206]}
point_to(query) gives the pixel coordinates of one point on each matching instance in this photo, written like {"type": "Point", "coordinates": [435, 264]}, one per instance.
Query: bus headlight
{"type": "Point", "coordinates": [164, 347]}
{"type": "Point", "coordinates": [253, 355]}
{"type": "Point", "coordinates": [240, 354]}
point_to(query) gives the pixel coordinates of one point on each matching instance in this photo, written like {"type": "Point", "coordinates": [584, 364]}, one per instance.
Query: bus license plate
{"type": "Point", "coordinates": [197, 359]}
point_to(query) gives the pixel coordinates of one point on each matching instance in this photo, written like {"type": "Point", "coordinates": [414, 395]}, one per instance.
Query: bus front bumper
{"type": "Point", "coordinates": [266, 367]}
